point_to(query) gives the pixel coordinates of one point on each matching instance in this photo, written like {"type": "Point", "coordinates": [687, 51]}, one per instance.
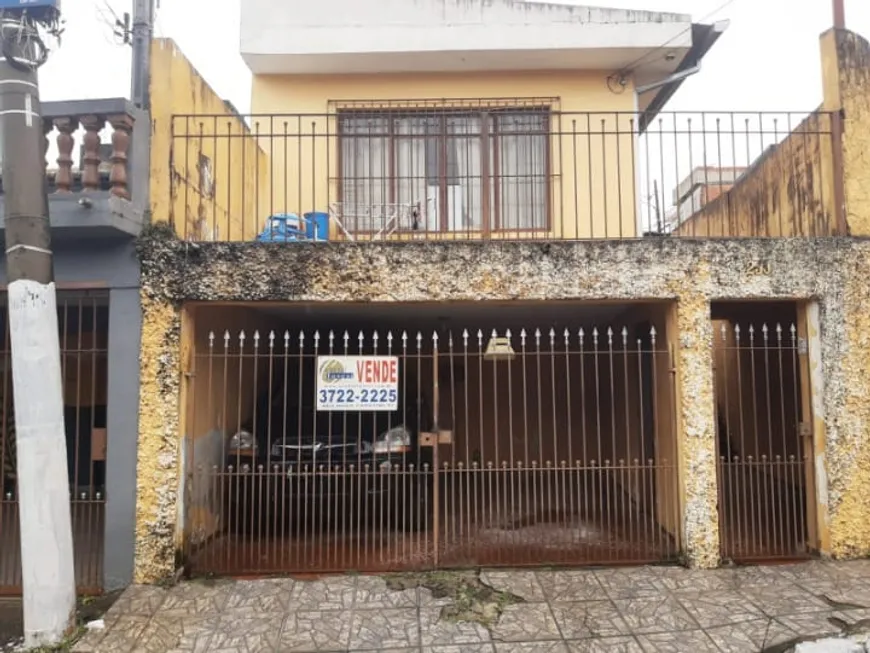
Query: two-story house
{"type": "Point", "coordinates": [424, 307]}
{"type": "Point", "coordinates": [97, 158]}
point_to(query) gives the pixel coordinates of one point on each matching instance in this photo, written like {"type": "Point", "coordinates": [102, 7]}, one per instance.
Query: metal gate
{"type": "Point", "coordinates": [765, 452]}
{"type": "Point", "coordinates": [503, 447]}
{"type": "Point", "coordinates": [83, 326]}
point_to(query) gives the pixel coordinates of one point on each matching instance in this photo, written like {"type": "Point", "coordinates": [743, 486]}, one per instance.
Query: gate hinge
{"type": "Point", "coordinates": [805, 429]}
{"type": "Point", "coordinates": [803, 347]}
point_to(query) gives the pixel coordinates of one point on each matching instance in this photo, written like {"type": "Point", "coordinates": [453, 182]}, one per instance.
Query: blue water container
{"type": "Point", "coordinates": [317, 226]}
{"type": "Point", "coordinates": [282, 228]}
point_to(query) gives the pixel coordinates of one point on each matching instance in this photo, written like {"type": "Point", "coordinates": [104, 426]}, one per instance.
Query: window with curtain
{"type": "Point", "coordinates": [467, 171]}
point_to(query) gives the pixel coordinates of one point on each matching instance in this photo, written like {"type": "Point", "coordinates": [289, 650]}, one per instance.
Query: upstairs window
{"type": "Point", "coordinates": [467, 171]}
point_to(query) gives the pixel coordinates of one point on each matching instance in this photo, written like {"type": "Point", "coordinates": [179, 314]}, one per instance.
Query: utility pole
{"type": "Point", "coordinates": [143, 29]}
{"type": "Point", "coordinates": [43, 483]}
{"type": "Point", "coordinates": [839, 14]}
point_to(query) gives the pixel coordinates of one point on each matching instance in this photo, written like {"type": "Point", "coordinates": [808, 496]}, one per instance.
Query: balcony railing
{"type": "Point", "coordinates": [89, 145]}
{"type": "Point", "coordinates": [508, 171]}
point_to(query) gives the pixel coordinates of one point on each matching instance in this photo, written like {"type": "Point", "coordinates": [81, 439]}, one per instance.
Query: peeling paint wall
{"type": "Point", "coordinates": [846, 66]}
{"type": "Point", "coordinates": [694, 273]}
{"type": "Point", "coordinates": [785, 192]}
{"type": "Point", "coordinates": [789, 190]}
{"type": "Point", "coordinates": [207, 170]}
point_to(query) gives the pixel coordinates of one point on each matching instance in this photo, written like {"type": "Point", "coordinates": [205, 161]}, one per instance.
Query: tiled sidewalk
{"type": "Point", "coordinates": [630, 609]}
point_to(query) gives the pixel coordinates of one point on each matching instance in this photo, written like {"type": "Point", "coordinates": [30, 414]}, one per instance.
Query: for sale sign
{"type": "Point", "coordinates": [357, 383]}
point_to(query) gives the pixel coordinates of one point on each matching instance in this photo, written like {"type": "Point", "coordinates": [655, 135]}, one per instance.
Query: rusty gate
{"type": "Point", "coordinates": [512, 447]}
{"type": "Point", "coordinates": [765, 446]}
{"type": "Point", "coordinates": [83, 326]}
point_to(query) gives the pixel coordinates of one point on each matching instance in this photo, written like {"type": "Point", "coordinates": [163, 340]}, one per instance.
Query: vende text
{"type": "Point", "coordinates": [377, 371]}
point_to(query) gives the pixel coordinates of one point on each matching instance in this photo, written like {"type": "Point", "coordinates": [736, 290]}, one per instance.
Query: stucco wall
{"type": "Point", "coordinates": [846, 66]}
{"type": "Point", "coordinates": [833, 271]}
{"type": "Point", "coordinates": [207, 170]}
{"type": "Point", "coordinates": [592, 182]}
{"type": "Point", "coordinates": [785, 193]}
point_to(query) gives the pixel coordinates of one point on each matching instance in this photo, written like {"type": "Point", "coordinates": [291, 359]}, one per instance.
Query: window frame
{"type": "Point", "coordinates": [491, 209]}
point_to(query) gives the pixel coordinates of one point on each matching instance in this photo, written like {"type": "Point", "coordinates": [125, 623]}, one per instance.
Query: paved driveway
{"type": "Point", "coordinates": [629, 609]}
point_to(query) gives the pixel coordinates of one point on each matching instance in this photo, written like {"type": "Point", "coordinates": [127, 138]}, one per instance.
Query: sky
{"type": "Point", "coordinates": [768, 60]}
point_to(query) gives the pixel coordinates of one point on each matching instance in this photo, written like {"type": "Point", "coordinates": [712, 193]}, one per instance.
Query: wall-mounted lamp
{"type": "Point", "coordinates": [499, 349]}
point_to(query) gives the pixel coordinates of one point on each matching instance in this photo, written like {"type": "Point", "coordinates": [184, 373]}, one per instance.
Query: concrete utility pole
{"type": "Point", "coordinates": [43, 483]}
{"type": "Point", "coordinates": [143, 29]}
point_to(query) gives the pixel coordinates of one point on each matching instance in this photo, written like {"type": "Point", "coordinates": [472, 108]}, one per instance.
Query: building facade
{"type": "Point", "coordinates": [98, 205]}
{"type": "Point", "coordinates": [471, 197]}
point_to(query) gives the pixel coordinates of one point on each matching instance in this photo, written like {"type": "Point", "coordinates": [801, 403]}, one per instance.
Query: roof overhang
{"type": "Point", "coordinates": [347, 37]}
{"type": "Point", "coordinates": [704, 37]}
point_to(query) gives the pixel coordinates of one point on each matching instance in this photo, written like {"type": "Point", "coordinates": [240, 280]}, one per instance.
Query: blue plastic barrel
{"type": "Point", "coordinates": [317, 226]}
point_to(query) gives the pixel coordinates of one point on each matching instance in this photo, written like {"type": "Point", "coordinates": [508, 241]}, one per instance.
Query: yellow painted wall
{"type": "Point", "coordinates": [593, 183]}
{"type": "Point", "coordinates": [228, 208]}
{"type": "Point", "coordinates": [787, 192]}
{"type": "Point", "coordinates": [846, 84]}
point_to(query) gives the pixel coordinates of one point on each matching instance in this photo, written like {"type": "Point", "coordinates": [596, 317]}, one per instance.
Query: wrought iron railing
{"type": "Point", "coordinates": [502, 170]}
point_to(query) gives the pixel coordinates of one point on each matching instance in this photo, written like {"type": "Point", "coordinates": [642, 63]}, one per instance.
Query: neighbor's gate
{"type": "Point", "coordinates": [765, 449]}
{"type": "Point", "coordinates": [518, 447]}
{"type": "Point", "coordinates": [83, 327]}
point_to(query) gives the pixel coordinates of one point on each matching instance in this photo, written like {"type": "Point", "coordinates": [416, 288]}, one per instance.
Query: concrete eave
{"type": "Point", "coordinates": [346, 36]}
{"type": "Point", "coordinates": [98, 215]}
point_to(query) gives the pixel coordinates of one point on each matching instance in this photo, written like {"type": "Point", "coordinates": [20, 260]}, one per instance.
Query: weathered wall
{"type": "Point", "coordinates": [846, 78]}
{"type": "Point", "coordinates": [785, 193]}
{"type": "Point", "coordinates": [789, 191]}
{"type": "Point", "coordinates": [691, 272]}
{"type": "Point", "coordinates": [207, 170]}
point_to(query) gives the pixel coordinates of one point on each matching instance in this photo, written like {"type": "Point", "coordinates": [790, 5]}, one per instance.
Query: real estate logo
{"type": "Point", "coordinates": [332, 371]}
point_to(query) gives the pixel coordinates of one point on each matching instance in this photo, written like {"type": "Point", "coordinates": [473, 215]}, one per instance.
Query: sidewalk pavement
{"type": "Point", "coordinates": [743, 609]}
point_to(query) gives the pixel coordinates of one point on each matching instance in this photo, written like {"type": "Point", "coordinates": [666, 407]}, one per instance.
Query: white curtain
{"type": "Point", "coordinates": [420, 175]}
{"type": "Point", "coordinates": [365, 172]}
{"type": "Point", "coordinates": [519, 158]}
{"type": "Point", "coordinates": [410, 166]}
{"type": "Point", "coordinates": [464, 173]}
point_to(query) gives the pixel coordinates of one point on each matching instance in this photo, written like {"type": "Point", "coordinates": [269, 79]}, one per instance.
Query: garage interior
{"type": "Point", "coordinates": [83, 324]}
{"type": "Point", "coordinates": [764, 432]}
{"type": "Point", "coordinates": [553, 426]}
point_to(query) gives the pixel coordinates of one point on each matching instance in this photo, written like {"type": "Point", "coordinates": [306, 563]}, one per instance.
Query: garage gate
{"type": "Point", "coordinates": [388, 448]}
